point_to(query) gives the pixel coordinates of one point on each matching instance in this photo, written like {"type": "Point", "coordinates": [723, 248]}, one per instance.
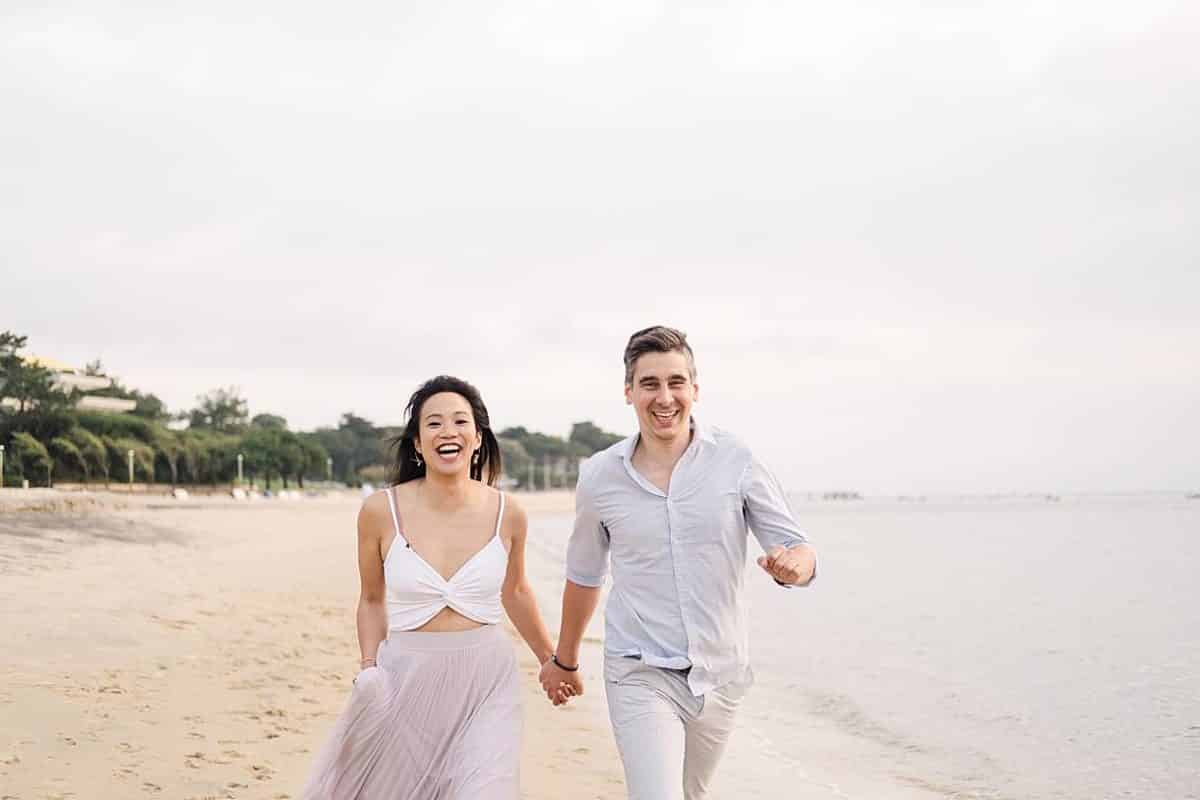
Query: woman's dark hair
{"type": "Point", "coordinates": [406, 466]}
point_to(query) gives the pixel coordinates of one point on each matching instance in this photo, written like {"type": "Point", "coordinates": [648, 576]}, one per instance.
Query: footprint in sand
{"type": "Point", "coordinates": [151, 787]}
{"type": "Point", "coordinates": [262, 772]}
{"type": "Point", "coordinates": [176, 624]}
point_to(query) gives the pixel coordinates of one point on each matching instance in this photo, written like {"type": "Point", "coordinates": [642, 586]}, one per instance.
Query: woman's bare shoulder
{"type": "Point", "coordinates": [374, 513]}
{"type": "Point", "coordinates": [515, 517]}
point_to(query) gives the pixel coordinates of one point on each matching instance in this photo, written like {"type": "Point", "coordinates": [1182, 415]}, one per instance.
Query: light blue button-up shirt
{"type": "Point", "coordinates": [678, 558]}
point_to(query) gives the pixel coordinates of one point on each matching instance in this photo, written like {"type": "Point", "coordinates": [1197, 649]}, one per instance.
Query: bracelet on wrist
{"type": "Point", "coordinates": [563, 666]}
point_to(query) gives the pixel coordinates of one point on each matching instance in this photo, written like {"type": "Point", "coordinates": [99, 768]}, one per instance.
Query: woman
{"type": "Point", "coordinates": [435, 711]}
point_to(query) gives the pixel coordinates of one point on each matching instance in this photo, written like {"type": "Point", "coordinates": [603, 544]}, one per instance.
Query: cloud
{"type": "Point", "coordinates": [889, 225]}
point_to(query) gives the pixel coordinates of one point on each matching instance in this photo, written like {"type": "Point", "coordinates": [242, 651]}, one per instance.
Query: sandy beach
{"type": "Point", "coordinates": [201, 649]}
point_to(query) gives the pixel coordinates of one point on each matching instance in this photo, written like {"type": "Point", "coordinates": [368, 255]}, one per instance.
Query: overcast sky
{"type": "Point", "coordinates": [918, 247]}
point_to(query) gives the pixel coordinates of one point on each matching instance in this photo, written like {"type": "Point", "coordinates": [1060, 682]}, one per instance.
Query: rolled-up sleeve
{"type": "Point", "coordinates": [767, 510]}
{"type": "Point", "coordinates": [587, 550]}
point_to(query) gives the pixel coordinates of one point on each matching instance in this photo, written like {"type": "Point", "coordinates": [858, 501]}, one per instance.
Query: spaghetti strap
{"type": "Point", "coordinates": [499, 516]}
{"type": "Point", "coordinates": [395, 514]}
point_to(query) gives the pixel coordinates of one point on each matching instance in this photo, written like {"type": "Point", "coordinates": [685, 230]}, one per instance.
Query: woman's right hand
{"type": "Point", "coordinates": [365, 675]}
{"type": "Point", "coordinates": [559, 684]}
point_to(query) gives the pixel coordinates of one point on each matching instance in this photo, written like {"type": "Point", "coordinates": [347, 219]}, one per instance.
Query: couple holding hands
{"type": "Point", "coordinates": [435, 713]}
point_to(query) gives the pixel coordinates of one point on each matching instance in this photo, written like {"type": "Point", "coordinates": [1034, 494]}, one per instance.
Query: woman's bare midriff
{"type": "Point", "coordinates": [449, 621]}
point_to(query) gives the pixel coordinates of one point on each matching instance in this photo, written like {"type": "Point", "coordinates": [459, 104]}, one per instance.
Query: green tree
{"type": "Point", "coordinates": [220, 410]}
{"type": "Point", "coordinates": [261, 448]}
{"type": "Point", "coordinates": [168, 449]}
{"type": "Point", "coordinates": [193, 456]}
{"type": "Point", "coordinates": [208, 456]}
{"type": "Point", "coordinates": [290, 457]}
{"type": "Point", "coordinates": [354, 444]}
{"type": "Point", "coordinates": [67, 457]}
{"type": "Point", "coordinates": [538, 451]}
{"type": "Point", "coordinates": [314, 458]}
{"type": "Point", "coordinates": [149, 406]}
{"type": "Point", "coordinates": [538, 445]}
{"type": "Point", "coordinates": [92, 449]}
{"type": "Point", "coordinates": [29, 385]}
{"type": "Point", "coordinates": [516, 462]}
{"type": "Point", "coordinates": [269, 421]}
{"type": "Point", "coordinates": [591, 437]}
{"type": "Point", "coordinates": [117, 425]}
{"type": "Point", "coordinates": [118, 458]}
{"type": "Point", "coordinates": [31, 458]}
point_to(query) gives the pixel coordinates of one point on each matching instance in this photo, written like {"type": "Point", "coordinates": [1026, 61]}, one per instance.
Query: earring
{"type": "Point", "coordinates": [417, 458]}
{"type": "Point", "coordinates": [475, 457]}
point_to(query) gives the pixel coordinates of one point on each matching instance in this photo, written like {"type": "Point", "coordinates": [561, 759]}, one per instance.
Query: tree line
{"type": "Point", "coordinates": [47, 439]}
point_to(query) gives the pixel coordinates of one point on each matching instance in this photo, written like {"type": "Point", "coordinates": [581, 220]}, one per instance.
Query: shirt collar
{"type": "Point", "coordinates": [699, 431]}
{"type": "Point", "coordinates": [703, 432]}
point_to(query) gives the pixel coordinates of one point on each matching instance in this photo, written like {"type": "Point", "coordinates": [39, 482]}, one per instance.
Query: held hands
{"type": "Point", "coordinates": [790, 566]}
{"type": "Point", "coordinates": [559, 684]}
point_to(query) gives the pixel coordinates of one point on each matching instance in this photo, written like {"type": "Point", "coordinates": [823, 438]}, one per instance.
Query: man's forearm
{"type": "Point", "coordinates": [579, 603]}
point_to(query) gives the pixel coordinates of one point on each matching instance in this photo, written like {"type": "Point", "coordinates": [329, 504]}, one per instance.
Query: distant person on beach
{"type": "Point", "coordinates": [670, 508]}
{"type": "Point", "coordinates": [435, 711]}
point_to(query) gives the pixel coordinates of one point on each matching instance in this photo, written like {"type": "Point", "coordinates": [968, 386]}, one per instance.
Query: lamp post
{"type": "Point", "coordinates": [1, 466]}
{"type": "Point", "coordinates": [328, 468]}
{"type": "Point", "coordinates": [239, 469]}
{"type": "Point", "coordinates": [130, 454]}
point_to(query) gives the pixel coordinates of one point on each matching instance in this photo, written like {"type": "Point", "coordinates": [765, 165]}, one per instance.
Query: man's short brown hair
{"type": "Point", "coordinates": [657, 339]}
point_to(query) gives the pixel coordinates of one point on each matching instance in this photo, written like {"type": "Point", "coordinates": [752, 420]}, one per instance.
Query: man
{"type": "Point", "coordinates": [669, 507]}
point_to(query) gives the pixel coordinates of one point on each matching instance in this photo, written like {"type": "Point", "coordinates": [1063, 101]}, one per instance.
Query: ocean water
{"type": "Point", "coordinates": [1023, 648]}
{"type": "Point", "coordinates": [993, 648]}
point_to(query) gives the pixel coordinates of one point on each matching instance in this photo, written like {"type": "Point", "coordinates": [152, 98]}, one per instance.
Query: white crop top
{"type": "Point", "coordinates": [416, 592]}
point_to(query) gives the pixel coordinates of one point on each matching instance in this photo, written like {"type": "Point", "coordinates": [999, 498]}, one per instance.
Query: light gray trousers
{"type": "Point", "coordinates": [670, 741]}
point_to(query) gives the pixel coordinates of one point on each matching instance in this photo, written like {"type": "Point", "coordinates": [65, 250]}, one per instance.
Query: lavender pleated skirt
{"type": "Point", "coordinates": [438, 719]}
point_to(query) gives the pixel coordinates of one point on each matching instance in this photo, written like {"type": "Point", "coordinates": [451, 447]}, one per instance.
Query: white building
{"type": "Point", "coordinates": [68, 378]}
